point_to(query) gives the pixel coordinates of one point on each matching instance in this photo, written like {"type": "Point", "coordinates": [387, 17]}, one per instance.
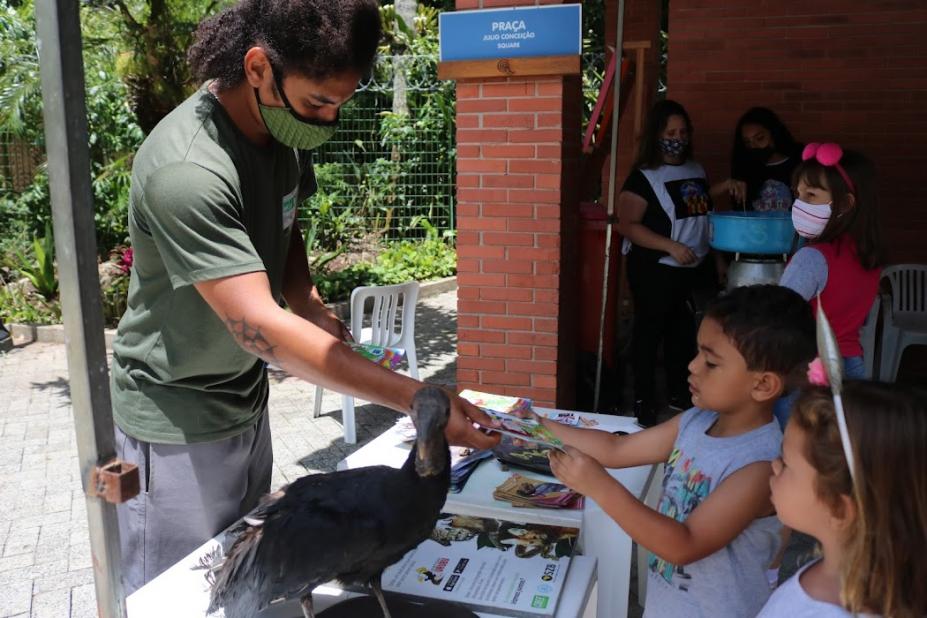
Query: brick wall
{"type": "Point", "coordinates": [517, 164]}
{"type": "Point", "coordinates": [841, 70]}
{"type": "Point", "coordinates": [516, 154]}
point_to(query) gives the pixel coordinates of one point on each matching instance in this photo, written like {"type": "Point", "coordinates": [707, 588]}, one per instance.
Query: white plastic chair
{"type": "Point", "coordinates": [867, 338]}
{"type": "Point", "coordinates": [384, 331]}
{"type": "Point", "coordinates": [905, 321]}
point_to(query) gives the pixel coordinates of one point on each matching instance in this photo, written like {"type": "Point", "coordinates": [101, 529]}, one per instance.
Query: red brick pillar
{"type": "Point", "coordinates": [518, 144]}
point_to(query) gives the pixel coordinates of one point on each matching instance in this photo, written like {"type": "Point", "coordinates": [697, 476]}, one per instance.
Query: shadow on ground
{"type": "Point", "coordinates": [61, 387]}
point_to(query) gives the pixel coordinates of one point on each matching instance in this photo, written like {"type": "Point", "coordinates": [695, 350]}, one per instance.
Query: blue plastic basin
{"type": "Point", "coordinates": [764, 233]}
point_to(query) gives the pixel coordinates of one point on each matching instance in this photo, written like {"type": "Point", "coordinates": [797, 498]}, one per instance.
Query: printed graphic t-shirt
{"type": "Point", "coordinates": [205, 203]}
{"type": "Point", "coordinates": [769, 186]}
{"type": "Point", "coordinates": [678, 203]}
{"type": "Point", "coordinates": [732, 581]}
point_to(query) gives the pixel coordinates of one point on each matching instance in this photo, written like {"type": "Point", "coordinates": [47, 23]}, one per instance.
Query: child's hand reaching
{"type": "Point", "coordinates": [578, 471]}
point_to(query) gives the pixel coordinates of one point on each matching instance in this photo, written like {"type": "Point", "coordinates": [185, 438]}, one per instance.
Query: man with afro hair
{"type": "Point", "coordinates": [218, 251]}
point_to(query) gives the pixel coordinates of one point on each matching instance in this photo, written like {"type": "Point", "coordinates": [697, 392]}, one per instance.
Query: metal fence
{"type": "Point", "coordinates": [384, 174]}
{"type": "Point", "coordinates": [380, 175]}
{"type": "Point", "coordinates": [18, 162]}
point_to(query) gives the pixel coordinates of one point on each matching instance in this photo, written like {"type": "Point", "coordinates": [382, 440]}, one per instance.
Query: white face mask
{"type": "Point", "coordinates": [810, 219]}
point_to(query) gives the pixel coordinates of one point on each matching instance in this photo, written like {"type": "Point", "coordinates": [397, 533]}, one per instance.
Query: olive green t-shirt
{"type": "Point", "coordinates": [205, 203]}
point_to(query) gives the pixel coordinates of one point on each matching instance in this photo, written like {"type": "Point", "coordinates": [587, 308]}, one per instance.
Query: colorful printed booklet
{"type": "Point", "coordinates": [390, 358]}
{"type": "Point", "coordinates": [489, 565]}
{"type": "Point", "coordinates": [497, 403]}
{"type": "Point", "coordinates": [524, 491]}
{"type": "Point", "coordinates": [524, 429]}
{"type": "Point", "coordinates": [504, 409]}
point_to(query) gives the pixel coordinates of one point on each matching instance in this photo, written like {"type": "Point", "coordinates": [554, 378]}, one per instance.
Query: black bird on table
{"type": "Point", "coordinates": [347, 525]}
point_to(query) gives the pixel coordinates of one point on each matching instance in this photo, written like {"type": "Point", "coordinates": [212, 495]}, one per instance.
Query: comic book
{"type": "Point", "coordinates": [524, 429]}
{"type": "Point", "coordinates": [497, 403]}
{"type": "Point", "coordinates": [486, 564]}
{"type": "Point", "coordinates": [390, 358]}
{"type": "Point", "coordinates": [524, 491]}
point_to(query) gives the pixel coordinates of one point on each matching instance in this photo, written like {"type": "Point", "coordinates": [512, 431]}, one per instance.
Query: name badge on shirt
{"type": "Point", "coordinates": [289, 208]}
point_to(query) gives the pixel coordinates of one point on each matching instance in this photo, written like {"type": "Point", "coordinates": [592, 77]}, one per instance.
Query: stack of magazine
{"type": "Point", "coordinates": [486, 564]}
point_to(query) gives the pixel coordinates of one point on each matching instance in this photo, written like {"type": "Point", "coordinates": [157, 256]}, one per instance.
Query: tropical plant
{"type": "Point", "coordinates": [113, 134]}
{"type": "Point", "coordinates": [17, 307]}
{"type": "Point", "coordinates": [151, 36]}
{"type": "Point", "coordinates": [40, 270]}
{"type": "Point", "coordinates": [114, 296]}
{"type": "Point", "coordinates": [20, 87]}
{"type": "Point", "coordinates": [407, 260]}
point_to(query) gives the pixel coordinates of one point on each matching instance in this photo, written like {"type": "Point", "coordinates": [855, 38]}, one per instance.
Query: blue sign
{"type": "Point", "coordinates": [515, 32]}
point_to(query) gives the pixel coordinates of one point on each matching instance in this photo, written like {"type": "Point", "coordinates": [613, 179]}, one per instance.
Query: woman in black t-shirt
{"type": "Point", "coordinates": [763, 157]}
{"type": "Point", "coordinates": [663, 218]}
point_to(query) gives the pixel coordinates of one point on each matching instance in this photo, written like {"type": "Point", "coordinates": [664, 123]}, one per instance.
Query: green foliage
{"type": "Point", "coordinates": [336, 286]}
{"type": "Point", "coordinates": [113, 133]}
{"type": "Point", "coordinates": [25, 214]}
{"type": "Point", "coordinates": [332, 214]}
{"type": "Point", "coordinates": [402, 261]}
{"type": "Point", "coordinates": [415, 261]}
{"type": "Point", "coordinates": [18, 308]}
{"type": "Point", "coordinates": [406, 260]}
{"type": "Point", "coordinates": [114, 297]}
{"type": "Point", "coordinates": [40, 270]}
{"type": "Point", "coordinates": [150, 37]}
{"type": "Point", "coordinates": [20, 87]}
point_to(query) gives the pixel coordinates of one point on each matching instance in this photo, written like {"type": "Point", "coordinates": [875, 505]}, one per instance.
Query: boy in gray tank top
{"type": "Point", "coordinates": [714, 532]}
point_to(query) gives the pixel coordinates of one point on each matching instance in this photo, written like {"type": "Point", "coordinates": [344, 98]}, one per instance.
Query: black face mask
{"type": "Point", "coordinates": [760, 156]}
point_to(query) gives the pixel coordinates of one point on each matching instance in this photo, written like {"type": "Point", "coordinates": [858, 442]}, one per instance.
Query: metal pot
{"type": "Point", "coordinates": [754, 270]}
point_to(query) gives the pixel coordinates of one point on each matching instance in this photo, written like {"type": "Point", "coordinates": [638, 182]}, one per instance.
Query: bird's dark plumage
{"type": "Point", "coordinates": [347, 525]}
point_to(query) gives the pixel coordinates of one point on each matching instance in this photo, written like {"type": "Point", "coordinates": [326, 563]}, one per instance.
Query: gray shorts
{"type": "Point", "coordinates": [189, 493]}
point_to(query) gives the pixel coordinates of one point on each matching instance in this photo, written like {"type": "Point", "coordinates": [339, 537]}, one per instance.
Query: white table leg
{"type": "Point", "coordinates": [608, 543]}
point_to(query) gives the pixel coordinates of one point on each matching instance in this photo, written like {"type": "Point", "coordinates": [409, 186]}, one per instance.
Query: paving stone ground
{"type": "Point", "coordinates": [44, 548]}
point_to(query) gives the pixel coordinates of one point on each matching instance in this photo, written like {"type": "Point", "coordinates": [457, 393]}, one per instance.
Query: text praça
{"type": "Point", "coordinates": [508, 26]}
{"type": "Point", "coordinates": [511, 31]}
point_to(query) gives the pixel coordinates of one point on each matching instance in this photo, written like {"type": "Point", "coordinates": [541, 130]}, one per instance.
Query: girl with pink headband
{"type": "Point", "coordinates": [836, 213]}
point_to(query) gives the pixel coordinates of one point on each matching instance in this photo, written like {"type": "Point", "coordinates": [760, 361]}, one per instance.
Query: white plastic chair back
{"type": "Point", "coordinates": [909, 292]}
{"type": "Point", "coordinates": [384, 328]}
{"type": "Point", "coordinates": [391, 324]}
{"type": "Point", "coordinates": [906, 323]}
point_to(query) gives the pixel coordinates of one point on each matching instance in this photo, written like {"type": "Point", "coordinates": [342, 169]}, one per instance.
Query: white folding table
{"type": "Point", "coordinates": [600, 537]}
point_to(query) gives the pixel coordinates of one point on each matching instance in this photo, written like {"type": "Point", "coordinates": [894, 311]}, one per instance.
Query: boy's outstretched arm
{"type": "Point", "coordinates": [725, 513]}
{"type": "Point", "coordinates": [652, 445]}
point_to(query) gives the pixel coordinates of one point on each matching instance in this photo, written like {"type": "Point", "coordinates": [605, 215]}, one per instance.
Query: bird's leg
{"type": "Point", "coordinates": [378, 592]}
{"type": "Point", "coordinates": [306, 604]}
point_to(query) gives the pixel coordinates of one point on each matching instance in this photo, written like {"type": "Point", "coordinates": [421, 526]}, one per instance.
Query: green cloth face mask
{"type": "Point", "coordinates": [290, 128]}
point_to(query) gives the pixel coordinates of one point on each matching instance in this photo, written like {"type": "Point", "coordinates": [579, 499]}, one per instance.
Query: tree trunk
{"type": "Point", "coordinates": [405, 10]}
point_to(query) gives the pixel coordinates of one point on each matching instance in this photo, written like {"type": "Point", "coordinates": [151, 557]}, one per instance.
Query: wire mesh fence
{"type": "Point", "coordinates": [389, 170]}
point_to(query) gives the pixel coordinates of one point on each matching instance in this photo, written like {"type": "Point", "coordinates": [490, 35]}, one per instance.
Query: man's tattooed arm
{"type": "Point", "coordinates": [252, 339]}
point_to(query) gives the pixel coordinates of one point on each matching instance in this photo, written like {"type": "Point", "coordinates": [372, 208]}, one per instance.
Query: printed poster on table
{"type": "Point", "coordinates": [502, 567]}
